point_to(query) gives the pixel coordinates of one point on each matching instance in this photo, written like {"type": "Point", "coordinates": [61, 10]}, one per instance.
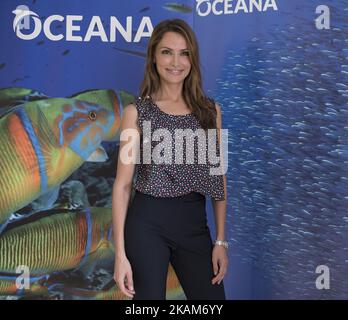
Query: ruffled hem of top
{"type": "Point", "coordinates": [161, 195]}
{"type": "Point", "coordinates": [154, 183]}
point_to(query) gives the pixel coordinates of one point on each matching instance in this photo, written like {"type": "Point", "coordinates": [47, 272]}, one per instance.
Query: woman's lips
{"type": "Point", "coordinates": [174, 72]}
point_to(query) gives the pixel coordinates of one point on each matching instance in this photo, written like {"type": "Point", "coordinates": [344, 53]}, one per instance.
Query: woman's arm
{"type": "Point", "coordinates": [220, 206]}
{"type": "Point", "coordinates": [122, 187]}
{"type": "Point", "coordinates": [219, 255]}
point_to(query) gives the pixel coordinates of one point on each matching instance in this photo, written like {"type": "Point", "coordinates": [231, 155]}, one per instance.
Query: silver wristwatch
{"type": "Point", "coordinates": [221, 243]}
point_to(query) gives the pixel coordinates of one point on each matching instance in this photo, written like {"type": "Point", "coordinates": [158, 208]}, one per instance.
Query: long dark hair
{"type": "Point", "coordinates": [200, 105]}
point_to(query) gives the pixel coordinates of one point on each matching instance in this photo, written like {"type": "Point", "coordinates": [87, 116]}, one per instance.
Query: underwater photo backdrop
{"type": "Point", "coordinates": [279, 71]}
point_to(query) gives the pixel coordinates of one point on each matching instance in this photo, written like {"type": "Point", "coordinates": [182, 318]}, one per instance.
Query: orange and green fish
{"type": "Point", "coordinates": [43, 142]}
{"type": "Point", "coordinates": [60, 240]}
{"type": "Point", "coordinates": [56, 240]}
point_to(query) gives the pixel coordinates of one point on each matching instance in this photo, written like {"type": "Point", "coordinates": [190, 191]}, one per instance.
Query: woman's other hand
{"type": "Point", "coordinates": [220, 263]}
{"type": "Point", "coordinates": [123, 276]}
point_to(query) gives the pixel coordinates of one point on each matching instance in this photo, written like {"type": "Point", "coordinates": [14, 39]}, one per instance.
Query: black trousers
{"type": "Point", "coordinates": [175, 230]}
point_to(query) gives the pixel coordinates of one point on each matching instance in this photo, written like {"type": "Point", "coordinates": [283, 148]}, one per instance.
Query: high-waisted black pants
{"type": "Point", "coordinates": [171, 229]}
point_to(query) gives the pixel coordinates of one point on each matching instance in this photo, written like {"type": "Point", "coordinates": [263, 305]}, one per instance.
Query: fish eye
{"type": "Point", "coordinates": [92, 116]}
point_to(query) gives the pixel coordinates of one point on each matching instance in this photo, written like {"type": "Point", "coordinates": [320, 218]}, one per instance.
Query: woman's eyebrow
{"type": "Point", "coordinates": [172, 49]}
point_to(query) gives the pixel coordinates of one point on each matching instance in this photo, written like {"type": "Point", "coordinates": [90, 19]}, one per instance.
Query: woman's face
{"type": "Point", "coordinates": [172, 58]}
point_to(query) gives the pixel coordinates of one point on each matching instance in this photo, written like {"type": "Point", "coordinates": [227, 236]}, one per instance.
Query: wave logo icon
{"type": "Point", "coordinates": [22, 19]}
{"type": "Point", "coordinates": [203, 3]}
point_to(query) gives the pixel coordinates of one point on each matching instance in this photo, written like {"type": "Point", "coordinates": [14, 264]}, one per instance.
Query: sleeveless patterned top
{"type": "Point", "coordinates": [172, 179]}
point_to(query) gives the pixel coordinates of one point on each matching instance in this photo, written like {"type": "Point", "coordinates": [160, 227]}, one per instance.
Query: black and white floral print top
{"type": "Point", "coordinates": [171, 179]}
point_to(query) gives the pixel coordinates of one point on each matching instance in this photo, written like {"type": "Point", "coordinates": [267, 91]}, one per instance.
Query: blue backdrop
{"type": "Point", "coordinates": [280, 75]}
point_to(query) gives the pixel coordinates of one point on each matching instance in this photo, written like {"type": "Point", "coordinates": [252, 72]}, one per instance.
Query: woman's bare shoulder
{"type": "Point", "coordinates": [130, 110]}
{"type": "Point", "coordinates": [218, 108]}
{"type": "Point", "coordinates": [130, 117]}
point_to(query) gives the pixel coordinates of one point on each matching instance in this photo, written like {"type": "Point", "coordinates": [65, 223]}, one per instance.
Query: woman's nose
{"type": "Point", "coordinates": [175, 60]}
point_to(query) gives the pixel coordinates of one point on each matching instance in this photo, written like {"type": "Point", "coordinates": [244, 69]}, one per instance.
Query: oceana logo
{"type": "Point", "coordinates": [223, 7]}
{"type": "Point", "coordinates": [22, 26]}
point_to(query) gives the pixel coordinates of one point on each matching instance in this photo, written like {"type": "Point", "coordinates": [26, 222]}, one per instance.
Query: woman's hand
{"type": "Point", "coordinates": [123, 276]}
{"type": "Point", "coordinates": [220, 262]}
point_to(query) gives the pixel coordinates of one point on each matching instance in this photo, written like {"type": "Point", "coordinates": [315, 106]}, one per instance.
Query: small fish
{"type": "Point", "coordinates": [40, 42]}
{"type": "Point", "coordinates": [177, 7]}
{"type": "Point", "coordinates": [17, 80]}
{"type": "Point", "coordinates": [65, 52]}
{"type": "Point", "coordinates": [144, 9]}
{"type": "Point", "coordinates": [132, 52]}
{"type": "Point", "coordinates": [2, 65]}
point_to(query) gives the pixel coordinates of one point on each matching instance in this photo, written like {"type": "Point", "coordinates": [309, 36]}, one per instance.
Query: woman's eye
{"type": "Point", "coordinates": [184, 53]}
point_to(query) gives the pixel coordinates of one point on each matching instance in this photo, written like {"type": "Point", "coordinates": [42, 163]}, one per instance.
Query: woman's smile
{"type": "Point", "coordinates": [175, 72]}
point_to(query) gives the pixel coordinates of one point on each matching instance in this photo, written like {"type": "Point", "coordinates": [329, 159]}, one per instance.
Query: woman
{"type": "Point", "coordinates": [166, 220]}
